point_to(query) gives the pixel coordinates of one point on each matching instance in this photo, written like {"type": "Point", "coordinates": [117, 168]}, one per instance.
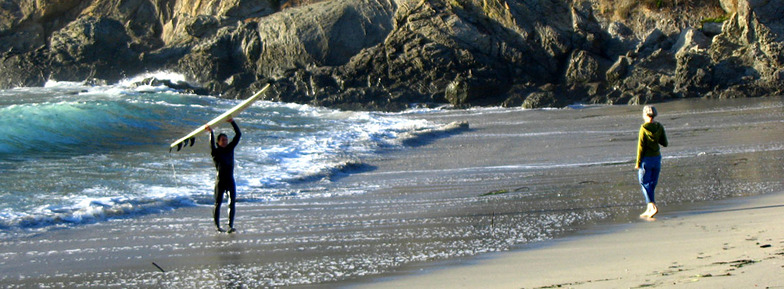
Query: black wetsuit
{"type": "Point", "coordinates": [223, 157]}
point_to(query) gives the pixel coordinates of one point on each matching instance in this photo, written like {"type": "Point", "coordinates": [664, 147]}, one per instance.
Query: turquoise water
{"type": "Point", "coordinates": [73, 154]}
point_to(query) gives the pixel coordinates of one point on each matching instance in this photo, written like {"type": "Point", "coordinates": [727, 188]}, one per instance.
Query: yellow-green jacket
{"type": "Point", "coordinates": [651, 136]}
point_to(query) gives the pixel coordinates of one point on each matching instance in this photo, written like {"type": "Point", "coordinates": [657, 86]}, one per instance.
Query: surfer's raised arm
{"type": "Point", "coordinates": [212, 137]}
{"type": "Point", "coordinates": [236, 139]}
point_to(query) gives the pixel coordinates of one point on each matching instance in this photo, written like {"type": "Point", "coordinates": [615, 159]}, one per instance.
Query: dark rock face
{"type": "Point", "coordinates": [90, 44]}
{"type": "Point", "coordinates": [387, 54]}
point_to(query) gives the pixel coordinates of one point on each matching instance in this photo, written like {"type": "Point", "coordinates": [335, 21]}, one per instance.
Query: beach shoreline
{"type": "Point", "coordinates": [513, 178]}
{"type": "Point", "coordinates": [736, 243]}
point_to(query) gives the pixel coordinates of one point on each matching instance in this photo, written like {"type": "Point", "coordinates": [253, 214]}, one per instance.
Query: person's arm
{"type": "Point", "coordinates": [237, 133]}
{"type": "Point", "coordinates": [663, 139]}
{"type": "Point", "coordinates": [640, 147]}
{"type": "Point", "coordinates": [212, 137]}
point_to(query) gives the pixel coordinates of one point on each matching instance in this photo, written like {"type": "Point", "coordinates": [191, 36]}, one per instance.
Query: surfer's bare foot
{"type": "Point", "coordinates": [232, 230]}
{"type": "Point", "coordinates": [221, 230]}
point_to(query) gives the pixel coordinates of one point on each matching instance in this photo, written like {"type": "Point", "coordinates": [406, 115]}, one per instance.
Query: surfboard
{"type": "Point", "coordinates": [190, 138]}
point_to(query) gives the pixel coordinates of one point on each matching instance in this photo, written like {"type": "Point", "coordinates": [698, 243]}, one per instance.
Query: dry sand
{"type": "Point", "coordinates": [738, 246]}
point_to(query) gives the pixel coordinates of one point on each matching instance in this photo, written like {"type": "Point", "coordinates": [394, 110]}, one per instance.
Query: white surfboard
{"type": "Point", "coordinates": [231, 113]}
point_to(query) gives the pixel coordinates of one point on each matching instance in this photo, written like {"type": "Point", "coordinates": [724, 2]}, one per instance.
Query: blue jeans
{"type": "Point", "coordinates": [649, 176]}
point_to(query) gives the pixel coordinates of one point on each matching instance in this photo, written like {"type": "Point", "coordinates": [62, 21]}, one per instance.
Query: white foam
{"type": "Point", "coordinates": [161, 75]}
{"type": "Point", "coordinates": [63, 84]}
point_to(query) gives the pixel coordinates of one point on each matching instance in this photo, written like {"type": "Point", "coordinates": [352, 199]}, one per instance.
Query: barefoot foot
{"type": "Point", "coordinates": [654, 210]}
{"type": "Point", "coordinates": [648, 211]}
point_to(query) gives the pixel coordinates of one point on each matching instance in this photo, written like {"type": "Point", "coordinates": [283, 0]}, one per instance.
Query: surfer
{"type": "Point", "coordinates": [223, 157]}
{"type": "Point", "coordinates": [649, 157]}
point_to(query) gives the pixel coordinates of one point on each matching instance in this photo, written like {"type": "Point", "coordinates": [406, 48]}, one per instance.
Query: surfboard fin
{"type": "Point", "coordinates": [185, 143]}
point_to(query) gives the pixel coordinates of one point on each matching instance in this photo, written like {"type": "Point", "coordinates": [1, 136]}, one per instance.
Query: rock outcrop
{"type": "Point", "coordinates": [387, 54]}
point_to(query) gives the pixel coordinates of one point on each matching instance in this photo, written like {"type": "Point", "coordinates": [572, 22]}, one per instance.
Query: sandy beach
{"type": "Point", "coordinates": [736, 244]}
{"type": "Point", "coordinates": [520, 199]}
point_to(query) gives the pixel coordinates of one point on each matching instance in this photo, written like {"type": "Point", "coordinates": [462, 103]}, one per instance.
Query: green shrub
{"type": "Point", "coordinates": [719, 19]}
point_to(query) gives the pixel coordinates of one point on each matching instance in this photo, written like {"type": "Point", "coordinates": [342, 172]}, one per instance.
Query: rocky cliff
{"type": "Point", "coordinates": [387, 54]}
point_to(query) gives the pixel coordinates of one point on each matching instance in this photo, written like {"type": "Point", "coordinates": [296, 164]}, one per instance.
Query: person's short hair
{"type": "Point", "coordinates": [649, 110]}
{"type": "Point", "coordinates": [222, 135]}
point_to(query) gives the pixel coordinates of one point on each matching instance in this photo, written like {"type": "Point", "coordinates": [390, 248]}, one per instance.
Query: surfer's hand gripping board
{"type": "Point", "coordinates": [209, 129]}
{"type": "Point", "coordinates": [190, 138]}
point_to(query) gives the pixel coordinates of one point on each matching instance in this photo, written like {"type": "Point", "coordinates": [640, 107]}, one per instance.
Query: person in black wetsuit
{"type": "Point", "coordinates": [223, 157]}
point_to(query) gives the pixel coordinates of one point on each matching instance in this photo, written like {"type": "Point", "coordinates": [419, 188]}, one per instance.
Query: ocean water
{"type": "Point", "coordinates": [73, 154]}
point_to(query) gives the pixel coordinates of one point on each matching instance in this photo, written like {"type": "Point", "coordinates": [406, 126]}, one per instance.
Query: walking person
{"type": "Point", "coordinates": [649, 157]}
{"type": "Point", "coordinates": [223, 157]}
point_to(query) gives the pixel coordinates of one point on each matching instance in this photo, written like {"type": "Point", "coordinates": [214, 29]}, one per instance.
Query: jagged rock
{"type": "Point", "coordinates": [711, 29]}
{"type": "Point", "coordinates": [200, 25]}
{"type": "Point", "coordinates": [229, 52]}
{"type": "Point", "coordinates": [622, 40]}
{"type": "Point", "coordinates": [90, 40]}
{"type": "Point", "coordinates": [457, 92]}
{"type": "Point", "coordinates": [434, 42]}
{"type": "Point", "coordinates": [583, 68]}
{"type": "Point", "coordinates": [729, 6]}
{"type": "Point", "coordinates": [655, 40]}
{"type": "Point", "coordinates": [750, 50]}
{"type": "Point", "coordinates": [693, 73]}
{"type": "Point", "coordinates": [693, 77]}
{"type": "Point", "coordinates": [24, 24]}
{"type": "Point", "coordinates": [689, 40]}
{"type": "Point", "coordinates": [330, 37]}
{"type": "Point", "coordinates": [585, 24]}
{"type": "Point", "coordinates": [618, 70]}
{"type": "Point", "coordinates": [648, 79]}
{"type": "Point", "coordinates": [91, 46]}
{"type": "Point", "coordinates": [180, 86]}
{"type": "Point", "coordinates": [385, 54]}
{"type": "Point", "coordinates": [20, 70]}
{"type": "Point", "coordinates": [544, 98]}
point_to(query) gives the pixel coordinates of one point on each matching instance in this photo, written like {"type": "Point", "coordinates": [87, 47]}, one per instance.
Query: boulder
{"type": "Point", "coordinates": [583, 68]}
{"type": "Point", "coordinates": [693, 75]}
{"type": "Point", "coordinates": [689, 40]}
{"type": "Point", "coordinates": [91, 40]}
{"type": "Point", "coordinates": [729, 6]}
{"type": "Point", "coordinates": [655, 40]}
{"type": "Point", "coordinates": [340, 30]}
{"type": "Point", "coordinates": [621, 40]}
{"type": "Point", "coordinates": [200, 25]}
{"type": "Point", "coordinates": [229, 52]}
{"type": "Point", "coordinates": [23, 70]}
{"type": "Point", "coordinates": [90, 47]}
{"type": "Point", "coordinates": [545, 97]}
{"type": "Point", "coordinates": [648, 79]}
{"type": "Point", "coordinates": [711, 29]}
{"type": "Point", "coordinates": [618, 70]}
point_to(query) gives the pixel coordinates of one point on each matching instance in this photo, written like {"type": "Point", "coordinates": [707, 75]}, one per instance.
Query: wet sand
{"type": "Point", "coordinates": [525, 181]}
{"type": "Point", "coordinates": [736, 244]}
